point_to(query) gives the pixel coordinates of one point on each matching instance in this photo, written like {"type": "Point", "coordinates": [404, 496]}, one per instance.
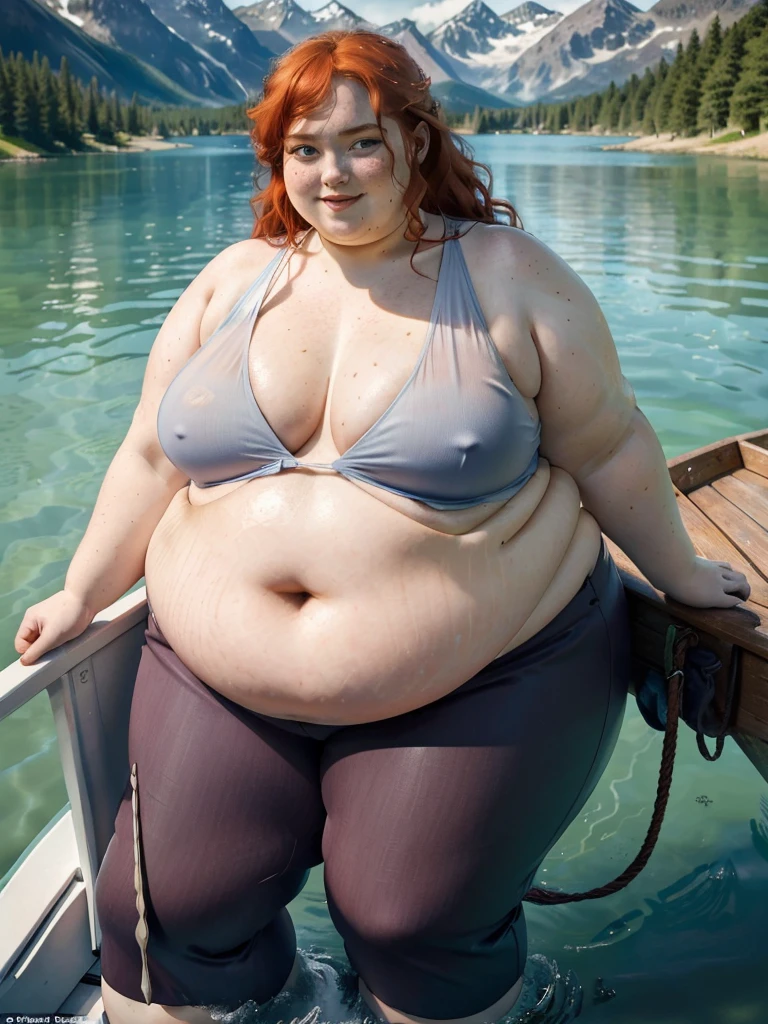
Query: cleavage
{"type": "Point", "coordinates": [339, 389]}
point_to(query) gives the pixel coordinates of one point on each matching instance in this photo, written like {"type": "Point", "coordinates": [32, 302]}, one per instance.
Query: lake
{"type": "Point", "coordinates": [94, 252]}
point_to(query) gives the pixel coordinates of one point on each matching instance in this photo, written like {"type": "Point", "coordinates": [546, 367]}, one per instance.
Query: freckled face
{"type": "Point", "coordinates": [338, 160]}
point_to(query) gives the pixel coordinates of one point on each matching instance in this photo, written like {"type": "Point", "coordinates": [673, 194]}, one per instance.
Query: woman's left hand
{"type": "Point", "coordinates": [711, 585]}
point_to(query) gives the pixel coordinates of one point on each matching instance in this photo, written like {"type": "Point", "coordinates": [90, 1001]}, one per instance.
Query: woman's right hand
{"type": "Point", "coordinates": [59, 618]}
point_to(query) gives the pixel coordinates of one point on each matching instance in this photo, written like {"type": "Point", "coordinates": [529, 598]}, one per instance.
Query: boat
{"type": "Point", "coordinates": [722, 495]}
{"type": "Point", "coordinates": [49, 931]}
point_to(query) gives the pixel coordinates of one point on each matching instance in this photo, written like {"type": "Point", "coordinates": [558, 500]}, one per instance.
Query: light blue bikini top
{"type": "Point", "coordinates": [458, 433]}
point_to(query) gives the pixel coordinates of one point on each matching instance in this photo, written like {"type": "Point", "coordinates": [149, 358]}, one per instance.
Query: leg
{"type": "Point", "coordinates": [438, 819]}
{"type": "Point", "coordinates": [121, 1010]}
{"type": "Point", "coordinates": [231, 818]}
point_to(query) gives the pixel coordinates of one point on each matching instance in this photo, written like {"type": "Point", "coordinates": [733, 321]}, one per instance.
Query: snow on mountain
{"type": "Point", "coordinates": [530, 16]}
{"type": "Point", "coordinates": [483, 45]}
{"type": "Point", "coordinates": [283, 17]}
{"type": "Point", "coordinates": [132, 26]}
{"type": "Point", "coordinates": [336, 16]}
{"type": "Point", "coordinates": [604, 41]}
{"type": "Point", "coordinates": [432, 61]}
{"type": "Point", "coordinates": [211, 27]}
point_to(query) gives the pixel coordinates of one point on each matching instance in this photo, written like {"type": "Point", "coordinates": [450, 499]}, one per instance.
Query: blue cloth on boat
{"type": "Point", "coordinates": [698, 699]}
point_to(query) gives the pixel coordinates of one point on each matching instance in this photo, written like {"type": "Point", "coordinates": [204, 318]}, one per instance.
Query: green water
{"type": "Point", "coordinates": [94, 251]}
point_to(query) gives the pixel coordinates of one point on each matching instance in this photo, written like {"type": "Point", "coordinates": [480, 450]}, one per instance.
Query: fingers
{"type": "Point", "coordinates": [26, 635]}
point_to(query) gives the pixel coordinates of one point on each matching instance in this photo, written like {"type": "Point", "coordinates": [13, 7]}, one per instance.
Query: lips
{"type": "Point", "coordinates": [341, 202]}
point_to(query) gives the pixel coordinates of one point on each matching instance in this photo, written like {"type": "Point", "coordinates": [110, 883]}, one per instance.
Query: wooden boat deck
{"type": "Point", "coordinates": [722, 494]}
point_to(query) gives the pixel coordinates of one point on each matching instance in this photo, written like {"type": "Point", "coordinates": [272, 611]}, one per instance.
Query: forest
{"type": "Point", "coordinates": [710, 85]}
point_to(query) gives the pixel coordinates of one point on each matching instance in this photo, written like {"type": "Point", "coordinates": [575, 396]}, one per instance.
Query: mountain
{"type": "Point", "coordinates": [430, 59]}
{"type": "Point", "coordinates": [605, 41]}
{"type": "Point", "coordinates": [483, 45]}
{"type": "Point", "coordinates": [131, 26]}
{"type": "Point", "coordinates": [447, 87]}
{"type": "Point", "coordinates": [219, 37]}
{"type": "Point", "coordinates": [696, 10]}
{"type": "Point", "coordinates": [279, 24]}
{"type": "Point", "coordinates": [336, 15]}
{"type": "Point", "coordinates": [28, 26]}
{"type": "Point", "coordinates": [280, 20]}
{"type": "Point", "coordinates": [461, 98]}
{"type": "Point", "coordinates": [531, 16]}
{"type": "Point", "coordinates": [202, 52]}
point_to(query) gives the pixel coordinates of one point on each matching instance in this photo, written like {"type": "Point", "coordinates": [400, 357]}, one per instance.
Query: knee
{"type": "Point", "coordinates": [377, 916]}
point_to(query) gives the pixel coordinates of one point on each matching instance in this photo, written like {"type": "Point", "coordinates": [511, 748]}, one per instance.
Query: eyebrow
{"type": "Point", "coordinates": [347, 131]}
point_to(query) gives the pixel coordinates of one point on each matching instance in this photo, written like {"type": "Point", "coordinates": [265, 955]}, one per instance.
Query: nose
{"type": "Point", "coordinates": [334, 171]}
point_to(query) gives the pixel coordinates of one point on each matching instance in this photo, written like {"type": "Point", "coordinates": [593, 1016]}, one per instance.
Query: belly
{"type": "Point", "coordinates": [303, 596]}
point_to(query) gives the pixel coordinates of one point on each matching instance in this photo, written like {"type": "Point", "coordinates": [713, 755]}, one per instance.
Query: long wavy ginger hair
{"type": "Point", "coordinates": [447, 180]}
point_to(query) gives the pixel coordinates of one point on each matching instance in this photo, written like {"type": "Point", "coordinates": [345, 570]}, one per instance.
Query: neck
{"type": "Point", "coordinates": [386, 249]}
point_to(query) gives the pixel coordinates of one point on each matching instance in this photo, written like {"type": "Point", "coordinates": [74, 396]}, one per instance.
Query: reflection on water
{"type": "Point", "coordinates": [94, 252]}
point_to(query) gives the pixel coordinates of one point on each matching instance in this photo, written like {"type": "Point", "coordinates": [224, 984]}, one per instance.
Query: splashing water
{"type": "Point", "coordinates": [326, 992]}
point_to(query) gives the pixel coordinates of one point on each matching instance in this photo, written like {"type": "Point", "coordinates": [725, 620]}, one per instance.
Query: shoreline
{"type": "Point", "coordinates": [133, 144]}
{"type": "Point", "coordinates": [754, 147]}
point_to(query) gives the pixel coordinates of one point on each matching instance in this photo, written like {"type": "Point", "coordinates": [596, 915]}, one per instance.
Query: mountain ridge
{"type": "Point", "coordinates": [204, 50]}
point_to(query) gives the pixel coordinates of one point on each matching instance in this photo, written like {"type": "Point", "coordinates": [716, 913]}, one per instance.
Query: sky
{"type": "Point", "coordinates": [432, 13]}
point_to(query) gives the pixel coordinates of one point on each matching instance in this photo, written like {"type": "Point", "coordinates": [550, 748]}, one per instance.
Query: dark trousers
{"type": "Point", "coordinates": [431, 824]}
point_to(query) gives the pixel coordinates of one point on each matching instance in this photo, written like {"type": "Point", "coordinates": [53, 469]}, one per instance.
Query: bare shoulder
{"type": "Point", "coordinates": [584, 402]}
{"type": "Point", "coordinates": [228, 275]}
{"type": "Point", "coordinates": [240, 260]}
{"type": "Point", "coordinates": [507, 254]}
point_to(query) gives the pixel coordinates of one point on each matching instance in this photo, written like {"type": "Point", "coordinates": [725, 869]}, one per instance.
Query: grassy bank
{"type": "Point", "coordinates": [21, 149]}
{"type": "Point", "coordinates": [752, 145]}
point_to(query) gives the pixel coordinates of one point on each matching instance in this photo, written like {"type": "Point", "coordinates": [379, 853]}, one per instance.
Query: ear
{"type": "Point", "coordinates": [421, 138]}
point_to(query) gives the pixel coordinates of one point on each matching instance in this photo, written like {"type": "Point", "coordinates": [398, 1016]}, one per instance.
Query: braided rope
{"type": "Point", "coordinates": [685, 638]}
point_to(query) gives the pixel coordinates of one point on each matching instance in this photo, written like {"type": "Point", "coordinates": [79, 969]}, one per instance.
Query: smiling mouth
{"type": "Point", "coordinates": [340, 200]}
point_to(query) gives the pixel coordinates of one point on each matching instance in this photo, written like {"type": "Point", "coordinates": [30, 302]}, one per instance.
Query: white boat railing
{"type": "Point", "coordinates": [48, 901]}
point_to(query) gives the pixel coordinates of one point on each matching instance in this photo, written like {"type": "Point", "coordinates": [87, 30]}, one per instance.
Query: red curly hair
{"type": "Point", "coordinates": [300, 82]}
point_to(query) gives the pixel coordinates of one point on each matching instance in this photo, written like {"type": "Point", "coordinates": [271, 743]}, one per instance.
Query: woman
{"type": "Point", "coordinates": [385, 632]}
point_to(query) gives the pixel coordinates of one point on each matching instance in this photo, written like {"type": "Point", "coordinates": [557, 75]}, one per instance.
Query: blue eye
{"type": "Point", "coordinates": [306, 145]}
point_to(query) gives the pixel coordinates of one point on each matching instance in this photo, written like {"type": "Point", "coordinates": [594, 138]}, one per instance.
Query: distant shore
{"type": "Point", "coordinates": [727, 143]}
{"type": "Point", "coordinates": [128, 144]}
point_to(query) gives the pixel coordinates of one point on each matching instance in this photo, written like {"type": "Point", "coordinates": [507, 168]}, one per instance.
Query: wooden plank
{"type": "Point", "coordinates": [752, 712]}
{"type": "Point", "coordinates": [689, 472]}
{"type": "Point", "coordinates": [757, 752]}
{"type": "Point", "coordinates": [753, 501]}
{"type": "Point", "coordinates": [754, 457]}
{"type": "Point", "coordinates": [753, 479]}
{"type": "Point", "coordinates": [743, 532]}
{"type": "Point", "coordinates": [649, 624]}
{"type": "Point", "coordinates": [711, 542]}
{"type": "Point", "coordinates": [746, 625]}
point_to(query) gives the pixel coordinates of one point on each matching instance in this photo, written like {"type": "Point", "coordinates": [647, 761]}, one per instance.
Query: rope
{"type": "Point", "coordinates": [730, 696]}
{"type": "Point", "coordinates": [675, 659]}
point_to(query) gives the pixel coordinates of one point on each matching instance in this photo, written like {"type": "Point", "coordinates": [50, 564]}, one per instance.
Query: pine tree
{"type": "Point", "coordinates": [106, 130]}
{"type": "Point", "coordinates": [749, 102]}
{"type": "Point", "coordinates": [6, 98]}
{"type": "Point", "coordinates": [22, 99]}
{"type": "Point", "coordinates": [663, 106]}
{"type": "Point", "coordinates": [712, 46]}
{"type": "Point", "coordinates": [132, 120]}
{"type": "Point", "coordinates": [68, 126]}
{"type": "Point", "coordinates": [683, 117]}
{"type": "Point", "coordinates": [720, 80]}
{"type": "Point", "coordinates": [116, 113]}
{"type": "Point", "coordinates": [48, 95]}
{"type": "Point", "coordinates": [92, 108]}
